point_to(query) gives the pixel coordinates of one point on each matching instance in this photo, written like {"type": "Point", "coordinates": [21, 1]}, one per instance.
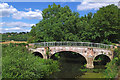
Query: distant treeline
{"type": "Point", "coordinates": [22, 36]}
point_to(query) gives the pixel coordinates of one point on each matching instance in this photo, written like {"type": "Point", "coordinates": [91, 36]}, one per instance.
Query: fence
{"type": "Point", "coordinates": [87, 44]}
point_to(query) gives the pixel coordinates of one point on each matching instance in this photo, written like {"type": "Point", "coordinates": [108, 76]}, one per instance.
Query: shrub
{"type": "Point", "coordinates": [112, 67]}
{"type": "Point", "coordinates": [17, 63]}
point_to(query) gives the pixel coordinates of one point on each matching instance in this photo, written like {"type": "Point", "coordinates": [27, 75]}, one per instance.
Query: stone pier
{"type": "Point", "coordinates": [88, 53]}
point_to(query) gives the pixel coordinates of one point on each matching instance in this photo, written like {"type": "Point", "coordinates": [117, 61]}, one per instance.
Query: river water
{"type": "Point", "coordinates": [72, 65]}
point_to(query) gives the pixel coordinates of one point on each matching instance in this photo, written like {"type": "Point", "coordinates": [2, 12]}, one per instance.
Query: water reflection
{"type": "Point", "coordinates": [72, 65]}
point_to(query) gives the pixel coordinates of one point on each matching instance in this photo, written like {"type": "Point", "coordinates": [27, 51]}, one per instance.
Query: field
{"type": "Point", "coordinates": [7, 42]}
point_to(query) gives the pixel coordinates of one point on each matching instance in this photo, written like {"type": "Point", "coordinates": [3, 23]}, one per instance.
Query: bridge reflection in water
{"type": "Point", "coordinates": [86, 49]}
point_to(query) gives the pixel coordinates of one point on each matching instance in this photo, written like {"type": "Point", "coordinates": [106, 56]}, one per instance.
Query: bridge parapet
{"type": "Point", "coordinates": [68, 43]}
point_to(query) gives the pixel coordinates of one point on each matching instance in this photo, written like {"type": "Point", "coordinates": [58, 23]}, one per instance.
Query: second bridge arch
{"type": "Point", "coordinates": [70, 56]}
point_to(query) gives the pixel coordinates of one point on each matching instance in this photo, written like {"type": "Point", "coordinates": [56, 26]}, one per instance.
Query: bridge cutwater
{"type": "Point", "coordinates": [88, 50]}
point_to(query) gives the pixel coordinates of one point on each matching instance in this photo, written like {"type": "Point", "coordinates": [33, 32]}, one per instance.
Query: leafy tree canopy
{"type": "Point", "coordinates": [106, 24]}
{"type": "Point", "coordinates": [61, 24]}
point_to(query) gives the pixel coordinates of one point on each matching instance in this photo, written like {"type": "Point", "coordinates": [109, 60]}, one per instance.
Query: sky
{"type": "Point", "coordinates": [19, 16]}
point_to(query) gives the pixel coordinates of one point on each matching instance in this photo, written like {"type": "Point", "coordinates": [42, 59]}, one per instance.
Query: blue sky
{"type": "Point", "coordinates": [20, 16]}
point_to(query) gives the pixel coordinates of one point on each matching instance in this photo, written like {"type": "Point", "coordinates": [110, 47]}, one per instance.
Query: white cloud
{"type": "Point", "coordinates": [72, 0]}
{"type": "Point", "coordinates": [89, 4]}
{"type": "Point", "coordinates": [119, 5]}
{"type": "Point", "coordinates": [101, 0]}
{"type": "Point", "coordinates": [8, 10]}
{"type": "Point", "coordinates": [89, 0]}
{"type": "Point", "coordinates": [15, 29]}
{"type": "Point", "coordinates": [37, 14]}
{"type": "Point", "coordinates": [28, 9]}
{"type": "Point", "coordinates": [16, 24]}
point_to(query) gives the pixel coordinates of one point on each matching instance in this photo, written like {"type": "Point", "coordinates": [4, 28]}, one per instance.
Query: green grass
{"type": "Point", "coordinates": [92, 75]}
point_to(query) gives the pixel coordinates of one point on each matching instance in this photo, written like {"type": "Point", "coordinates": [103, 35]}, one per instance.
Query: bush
{"type": "Point", "coordinates": [113, 66]}
{"type": "Point", "coordinates": [17, 63]}
{"type": "Point", "coordinates": [112, 70]}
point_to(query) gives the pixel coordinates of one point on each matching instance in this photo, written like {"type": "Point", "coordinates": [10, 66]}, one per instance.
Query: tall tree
{"type": "Point", "coordinates": [61, 24]}
{"type": "Point", "coordinates": [105, 24]}
{"type": "Point", "coordinates": [58, 24]}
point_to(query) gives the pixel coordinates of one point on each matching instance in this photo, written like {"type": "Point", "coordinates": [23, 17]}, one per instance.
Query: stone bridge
{"type": "Point", "coordinates": [88, 50]}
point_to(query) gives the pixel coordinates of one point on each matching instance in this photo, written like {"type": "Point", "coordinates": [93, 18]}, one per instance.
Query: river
{"type": "Point", "coordinates": [72, 65]}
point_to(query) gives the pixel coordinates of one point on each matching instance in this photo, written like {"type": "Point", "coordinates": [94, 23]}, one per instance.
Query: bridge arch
{"type": "Point", "coordinates": [36, 53]}
{"type": "Point", "coordinates": [107, 55]}
{"type": "Point", "coordinates": [85, 58]}
{"type": "Point", "coordinates": [101, 59]}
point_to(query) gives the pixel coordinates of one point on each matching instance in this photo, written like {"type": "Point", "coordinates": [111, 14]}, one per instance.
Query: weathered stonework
{"type": "Point", "coordinates": [88, 53]}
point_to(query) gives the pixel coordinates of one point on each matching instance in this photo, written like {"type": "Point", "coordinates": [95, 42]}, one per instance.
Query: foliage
{"type": "Point", "coordinates": [61, 24]}
{"type": "Point", "coordinates": [17, 62]}
{"type": "Point", "coordinates": [58, 24]}
{"type": "Point", "coordinates": [117, 56]}
{"type": "Point", "coordinates": [105, 23]}
{"type": "Point", "coordinates": [47, 52]}
{"type": "Point", "coordinates": [57, 55]}
{"type": "Point", "coordinates": [113, 66]}
{"type": "Point", "coordinates": [22, 36]}
{"type": "Point", "coordinates": [92, 70]}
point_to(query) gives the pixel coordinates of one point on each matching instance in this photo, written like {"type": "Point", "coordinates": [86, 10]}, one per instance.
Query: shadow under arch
{"type": "Point", "coordinates": [37, 54]}
{"type": "Point", "coordinates": [101, 59]}
{"type": "Point", "coordinates": [70, 56]}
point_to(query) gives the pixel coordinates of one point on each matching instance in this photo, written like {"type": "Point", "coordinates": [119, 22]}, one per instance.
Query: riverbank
{"type": "Point", "coordinates": [92, 75]}
{"type": "Point", "coordinates": [118, 75]}
{"type": "Point", "coordinates": [8, 42]}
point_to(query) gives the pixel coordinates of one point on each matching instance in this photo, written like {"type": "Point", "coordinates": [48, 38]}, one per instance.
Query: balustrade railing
{"type": "Point", "coordinates": [86, 44]}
